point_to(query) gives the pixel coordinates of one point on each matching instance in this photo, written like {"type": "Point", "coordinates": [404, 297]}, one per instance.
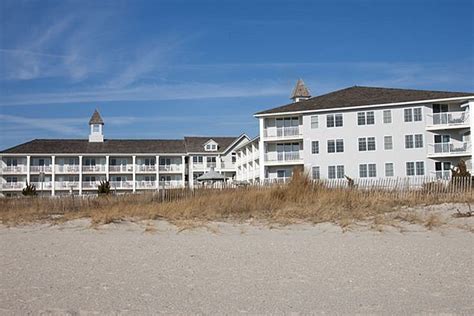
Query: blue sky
{"type": "Point", "coordinates": [164, 69]}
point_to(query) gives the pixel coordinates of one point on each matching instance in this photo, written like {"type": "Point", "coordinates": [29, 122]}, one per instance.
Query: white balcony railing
{"type": "Point", "coordinates": [171, 184]}
{"type": "Point", "coordinates": [62, 185]}
{"type": "Point", "coordinates": [14, 169]}
{"type": "Point", "coordinates": [67, 169]}
{"type": "Point", "coordinates": [443, 174]}
{"type": "Point", "coordinates": [282, 132]}
{"type": "Point", "coordinates": [170, 168]}
{"type": "Point", "coordinates": [283, 156]}
{"type": "Point", "coordinates": [227, 165]}
{"type": "Point", "coordinates": [41, 168]}
{"type": "Point", "coordinates": [146, 184]}
{"type": "Point", "coordinates": [121, 168]}
{"type": "Point", "coordinates": [42, 185]}
{"type": "Point", "coordinates": [450, 148]}
{"type": "Point", "coordinates": [146, 168]}
{"type": "Point", "coordinates": [450, 118]}
{"type": "Point", "coordinates": [13, 185]}
{"type": "Point", "coordinates": [90, 184]}
{"type": "Point", "coordinates": [210, 164]}
{"type": "Point", "coordinates": [95, 168]}
{"type": "Point", "coordinates": [121, 185]}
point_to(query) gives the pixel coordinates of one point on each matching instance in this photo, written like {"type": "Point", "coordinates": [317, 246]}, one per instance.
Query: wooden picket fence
{"type": "Point", "coordinates": [394, 187]}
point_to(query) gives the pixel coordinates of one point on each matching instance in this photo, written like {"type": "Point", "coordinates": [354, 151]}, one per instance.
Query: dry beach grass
{"type": "Point", "coordinates": [299, 201]}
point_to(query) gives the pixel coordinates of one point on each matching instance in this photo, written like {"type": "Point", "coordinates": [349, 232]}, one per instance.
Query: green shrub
{"type": "Point", "coordinates": [29, 190]}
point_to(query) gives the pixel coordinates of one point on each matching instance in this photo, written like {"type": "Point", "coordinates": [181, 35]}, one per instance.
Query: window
{"type": "Point", "coordinates": [165, 161]}
{"type": "Point", "coordinates": [149, 161]}
{"type": "Point", "coordinates": [315, 147]}
{"type": "Point", "coordinates": [336, 146]}
{"type": "Point", "coordinates": [234, 157]}
{"type": "Point", "coordinates": [197, 159]}
{"type": "Point", "coordinates": [332, 172]}
{"type": "Point", "coordinates": [414, 141]}
{"type": "Point", "coordinates": [316, 173]}
{"type": "Point", "coordinates": [387, 116]}
{"type": "Point", "coordinates": [389, 169]}
{"type": "Point", "coordinates": [96, 128]}
{"type": "Point", "coordinates": [367, 143]}
{"type": "Point", "coordinates": [414, 114]}
{"type": "Point", "coordinates": [418, 141]}
{"type": "Point", "coordinates": [417, 116]}
{"type": "Point", "coordinates": [12, 162]}
{"type": "Point", "coordinates": [314, 121]}
{"type": "Point", "coordinates": [408, 115]}
{"type": "Point", "coordinates": [334, 120]}
{"type": "Point", "coordinates": [340, 172]}
{"type": "Point", "coordinates": [287, 121]}
{"type": "Point", "coordinates": [420, 168]}
{"type": "Point", "coordinates": [365, 118]}
{"type": "Point", "coordinates": [387, 143]}
{"type": "Point", "coordinates": [282, 174]}
{"type": "Point", "coordinates": [372, 170]}
{"type": "Point", "coordinates": [363, 171]}
{"type": "Point", "coordinates": [336, 172]}
{"type": "Point", "coordinates": [367, 170]}
{"type": "Point", "coordinates": [409, 141]}
{"type": "Point", "coordinates": [415, 168]}
{"type": "Point", "coordinates": [211, 147]}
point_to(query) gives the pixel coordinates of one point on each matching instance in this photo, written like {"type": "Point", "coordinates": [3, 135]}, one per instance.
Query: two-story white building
{"type": "Point", "coordinates": [366, 132]}
{"type": "Point", "coordinates": [62, 166]}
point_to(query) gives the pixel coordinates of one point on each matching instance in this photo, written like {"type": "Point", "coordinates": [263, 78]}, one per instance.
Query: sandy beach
{"type": "Point", "coordinates": [234, 268]}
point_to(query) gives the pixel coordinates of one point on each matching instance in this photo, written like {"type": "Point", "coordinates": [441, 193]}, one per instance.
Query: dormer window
{"type": "Point", "coordinates": [210, 146]}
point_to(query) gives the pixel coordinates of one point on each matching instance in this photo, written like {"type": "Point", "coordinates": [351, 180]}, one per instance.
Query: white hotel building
{"type": "Point", "coordinates": [62, 166]}
{"type": "Point", "coordinates": [360, 132]}
{"type": "Point", "coordinates": [366, 132]}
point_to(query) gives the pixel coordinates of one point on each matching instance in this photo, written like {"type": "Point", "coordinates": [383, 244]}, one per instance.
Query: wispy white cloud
{"type": "Point", "coordinates": [58, 125]}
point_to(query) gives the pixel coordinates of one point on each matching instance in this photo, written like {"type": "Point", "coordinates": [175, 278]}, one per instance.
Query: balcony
{"type": "Point", "coordinates": [170, 168]}
{"type": "Point", "coordinates": [172, 184]}
{"type": "Point", "coordinates": [451, 149]}
{"type": "Point", "coordinates": [448, 120]}
{"type": "Point", "coordinates": [211, 164]}
{"type": "Point", "coordinates": [42, 185]}
{"type": "Point", "coordinates": [146, 168]}
{"type": "Point", "coordinates": [282, 132]}
{"type": "Point", "coordinates": [66, 185]}
{"type": "Point", "coordinates": [14, 169]}
{"type": "Point", "coordinates": [121, 185]}
{"type": "Point", "coordinates": [286, 156]}
{"type": "Point", "coordinates": [146, 184]}
{"type": "Point", "coordinates": [13, 185]}
{"type": "Point", "coordinates": [94, 168]}
{"type": "Point", "coordinates": [121, 168]}
{"type": "Point", "coordinates": [67, 169]}
{"type": "Point", "coordinates": [38, 169]}
{"type": "Point", "coordinates": [228, 165]}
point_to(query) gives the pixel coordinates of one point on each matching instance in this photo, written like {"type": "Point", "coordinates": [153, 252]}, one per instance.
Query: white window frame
{"type": "Point", "coordinates": [314, 121]}
{"type": "Point", "coordinates": [316, 172]}
{"type": "Point", "coordinates": [387, 116]}
{"type": "Point", "coordinates": [388, 142]}
{"type": "Point", "coordinates": [389, 169]}
{"type": "Point", "coordinates": [315, 147]}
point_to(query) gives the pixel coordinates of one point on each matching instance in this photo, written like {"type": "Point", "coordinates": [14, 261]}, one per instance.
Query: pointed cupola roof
{"type": "Point", "coordinates": [300, 90]}
{"type": "Point", "coordinates": [96, 118]}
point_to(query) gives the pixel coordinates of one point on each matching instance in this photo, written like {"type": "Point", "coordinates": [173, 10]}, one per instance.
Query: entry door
{"type": "Point", "coordinates": [440, 115]}
{"type": "Point", "coordinates": [443, 169]}
{"type": "Point", "coordinates": [442, 143]}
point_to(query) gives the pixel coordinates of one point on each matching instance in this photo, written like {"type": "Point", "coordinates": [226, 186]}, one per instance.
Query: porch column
{"type": "Point", "coordinates": [107, 171]}
{"type": "Point", "coordinates": [134, 174]}
{"type": "Point", "coordinates": [80, 175]}
{"type": "Point", "coordinates": [28, 171]}
{"type": "Point", "coordinates": [53, 172]}
{"type": "Point", "coordinates": [262, 150]}
{"type": "Point", "coordinates": [183, 167]}
{"type": "Point", "coordinates": [157, 164]}
{"type": "Point", "coordinates": [191, 172]}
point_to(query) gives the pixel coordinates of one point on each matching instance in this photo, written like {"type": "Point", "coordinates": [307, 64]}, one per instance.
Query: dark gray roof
{"type": "Point", "coordinates": [96, 118]}
{"type": "Point", "coordinates": [357, 96]}
{"type": "Point", "coordinates": [83, 146]}
{"type": "Point", "coordinates": [196, 144]}
{"type": "Point", "coordinates": [300, 90]}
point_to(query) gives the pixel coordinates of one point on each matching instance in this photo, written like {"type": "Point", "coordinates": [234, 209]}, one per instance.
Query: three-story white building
{"type": "Point", "coordinates": [366, 132]}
